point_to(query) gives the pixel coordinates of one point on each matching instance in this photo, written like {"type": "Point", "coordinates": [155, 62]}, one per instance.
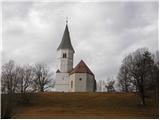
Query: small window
{"type": "Point", "coordinates": [64, 55]}
{"type": "Point", "coordinates": [71, 84]}
{"type": "Point", "coordinates": [80, 79]}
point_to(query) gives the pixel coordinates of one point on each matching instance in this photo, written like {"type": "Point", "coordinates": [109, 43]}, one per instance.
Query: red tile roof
{"type": "Point", "coordinates": [81, 68]}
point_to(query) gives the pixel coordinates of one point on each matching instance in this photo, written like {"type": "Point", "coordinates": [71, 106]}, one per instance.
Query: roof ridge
{"type": "Point", "coordinates": [81, 67]}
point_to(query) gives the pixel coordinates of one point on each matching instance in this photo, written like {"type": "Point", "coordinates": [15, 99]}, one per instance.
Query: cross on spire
{"type": "Point", "coordinates": [66, 42]}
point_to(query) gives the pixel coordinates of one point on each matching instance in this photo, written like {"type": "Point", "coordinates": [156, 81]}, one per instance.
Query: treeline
{"type": "Point", "coordinates": [26, 79]}
{"type": "Point", "coordinates": [139, 72]}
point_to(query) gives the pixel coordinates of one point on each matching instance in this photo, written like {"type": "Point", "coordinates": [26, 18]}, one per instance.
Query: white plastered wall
{"type": "Point", "coordinates": [62, 82]}
{"type": "Point", "coordinates": [65, 64]}
{"type": "Point", "coordinates": [86, 84]}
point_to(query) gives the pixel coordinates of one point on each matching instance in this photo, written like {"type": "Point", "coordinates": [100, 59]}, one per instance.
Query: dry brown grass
{"type": "Point", "coordinates": [88, 105]}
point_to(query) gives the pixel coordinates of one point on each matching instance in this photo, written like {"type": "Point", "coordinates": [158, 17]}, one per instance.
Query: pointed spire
{"type": "Point", "coordinates": [66, 42]}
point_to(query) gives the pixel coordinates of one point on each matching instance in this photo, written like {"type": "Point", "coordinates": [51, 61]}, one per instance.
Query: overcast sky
{"type": "Point", "coordinates": [101, 33]}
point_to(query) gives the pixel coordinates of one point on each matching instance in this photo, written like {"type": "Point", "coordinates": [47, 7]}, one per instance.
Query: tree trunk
{"type": "Point", "coordinates": [143, 100]}
{"type": "Point", "coordinates": [126, 89]}
{"type": "Point", "coordinates": [142, 96]}
{"type": "Point", "coordinates": [42, 89]}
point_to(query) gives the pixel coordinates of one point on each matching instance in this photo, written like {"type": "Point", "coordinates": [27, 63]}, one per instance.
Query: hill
{"type": "Point", "coordinates": [88, 105]}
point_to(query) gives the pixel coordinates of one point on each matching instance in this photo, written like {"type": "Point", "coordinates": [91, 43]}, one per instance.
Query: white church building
{"type": "Point", "coordinates": [69, 79]}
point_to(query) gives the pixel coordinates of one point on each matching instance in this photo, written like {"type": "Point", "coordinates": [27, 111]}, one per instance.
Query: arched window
{"type": "Point", "coordinates": [64, 55]}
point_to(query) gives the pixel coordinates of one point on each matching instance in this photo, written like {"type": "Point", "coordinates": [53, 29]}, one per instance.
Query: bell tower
{"type": "Point", "coordinates": [65, 52]}
{"type": "Point", "coordinates": [65, 55]}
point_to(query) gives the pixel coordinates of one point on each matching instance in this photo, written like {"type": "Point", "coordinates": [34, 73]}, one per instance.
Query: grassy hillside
{"type": "Point", "coordinates": [88, 105]}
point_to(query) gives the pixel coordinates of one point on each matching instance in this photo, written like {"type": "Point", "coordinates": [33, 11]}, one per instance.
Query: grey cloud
{"type": "Point", "coordinates": [101, 33]}
{"type": "Point", "coordinates": [16, 9]}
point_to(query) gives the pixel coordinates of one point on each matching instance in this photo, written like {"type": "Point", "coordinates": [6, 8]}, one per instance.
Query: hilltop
{"type": "Point", "coordinates": [87, 105]}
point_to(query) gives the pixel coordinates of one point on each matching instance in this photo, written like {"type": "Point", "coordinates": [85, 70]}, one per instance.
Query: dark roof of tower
{"type": "Point", "coordinates": [81, 68]}
{"type": "Point", "coordinates": [66, 42]}
{"type": "Point", "coordinates": [58, 71]}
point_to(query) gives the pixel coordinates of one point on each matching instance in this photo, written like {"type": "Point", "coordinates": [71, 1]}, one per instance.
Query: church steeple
{"type": "Point", "coordinates": [65, 52]}
{"type": "Point", "coordinates": [66, 42]}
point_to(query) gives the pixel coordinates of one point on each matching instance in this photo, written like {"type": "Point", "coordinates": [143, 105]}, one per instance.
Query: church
{"type": "Point", "coordinates": [69, 79]}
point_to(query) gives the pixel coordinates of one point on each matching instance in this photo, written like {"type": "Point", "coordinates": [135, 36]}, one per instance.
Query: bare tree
{"type": "Point", "coordinates": [8, 86]}
{"type": "Point", "coordinates": [154, 84]}
{"type": "Point", "coordinates": [110, 86]}
{"type": "Point", "coordinates": [9, 77]}
{"type": "Point", "coordinates": [42, 79]}
{"type": "Point", "coordinates": [142, 63]}
{"type": "Point", "coordinates": [125, 79]}
{"type": "Point", "coordinates": [25, 79]}
{"type": "Point", "coordinates": [139, 67]}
